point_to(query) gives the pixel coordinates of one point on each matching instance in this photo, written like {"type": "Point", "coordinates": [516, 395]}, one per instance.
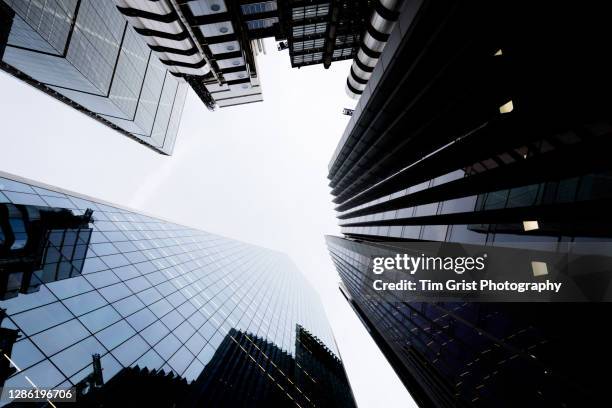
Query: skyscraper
{"type": "Point", "coordinates": [123, 298]}
{"type": "Point", "coordinates": [213, 44]}
{"type": "Point", "coordinates": [128, 64]}
{"type": "Point", "coordinates": [84, 54]}
{"type": "Point", "coordinates": [483, 124]}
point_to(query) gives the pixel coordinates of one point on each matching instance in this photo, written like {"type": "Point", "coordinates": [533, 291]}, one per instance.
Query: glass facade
{"type": "Point", "coordinates": [458, 139]}
{"type": "Point", "coordinates": [317, 32]}
{"type": "Point", "coordinates": [314, 32]}
{"type": "Point", "coordinates": [452, 354]}
{"type": "Point", "coordinates": [131, 292]}
{"type": "Point", "coordinates": [83, 52]}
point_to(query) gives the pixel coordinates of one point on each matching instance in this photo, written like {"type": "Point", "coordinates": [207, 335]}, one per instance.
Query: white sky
{"type": "Point", "coordinates": [257, 173]}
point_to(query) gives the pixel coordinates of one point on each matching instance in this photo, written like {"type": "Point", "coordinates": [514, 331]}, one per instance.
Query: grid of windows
{"type": "Point", "coordinates": [309, 29]}
{"type": "Point", "coordinates": [306, 58]}
{"type": "Point", "coordinates": [490, 169]}
{"type": "Point", "coordinates": [262, 23]}
{"type": "Point", "coordinates": [151, 293]}
{"type": "Point", "coordinates": [308, 44]}
{"type": "Point", "coordinates": [256, 8]}
{"type": "Point", "coordinates": [51, 18]}
{"type": "Point", "coordinates": [485, 352]}
{"type": "Point", "coordinates": [317, 10]}
{"type": "Point", "coordinates": [342, 52]}
{"type": "Point", "coordinates": [107, 69]}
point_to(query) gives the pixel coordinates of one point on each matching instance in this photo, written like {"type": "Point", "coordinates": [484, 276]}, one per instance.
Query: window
{"type": "Point", "coordinates": [262, 23]}
{"type": "Point", "coordinates": [343, 52]}
{"type": "Point", "coordinates": [317, 10]}
{"type": "Point", "coordinates": [307, 58]}
{"type": "Point", "coordinates": [260, 7]}
{"type": "Point", "coordinates": [309, 29]}
{"type": "Point", "coordinates": [347, 39]}
{"type": "Point", "coordinates": [308, 44]}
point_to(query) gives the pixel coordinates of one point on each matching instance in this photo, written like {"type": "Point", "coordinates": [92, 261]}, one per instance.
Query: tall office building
{"type": "Point", "coordinates": [128, 63]}
{"type": "Point", "coordinates": [83, 53]}
{"type": "Point", "coordinates": [215, 42]}
{"type": "Point", "coordinates": [483, 124]}
{"type": "Point", "coordinates": [124, 301]}
{"type": "Point", "coordinates": [322, 32]}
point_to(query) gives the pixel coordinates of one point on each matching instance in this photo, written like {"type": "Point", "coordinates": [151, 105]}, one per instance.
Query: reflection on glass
{"type": "Point", "coordinates": [7, 339]}
{"type": "Point", "coordinates": [245, 370]}
{"type": "Point", "coordinates": [140, 292]}
{"type": "Point", "coordinates": [40, 245]}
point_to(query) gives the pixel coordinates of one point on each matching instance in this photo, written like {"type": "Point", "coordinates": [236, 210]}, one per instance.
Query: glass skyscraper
{"type": "Point", "coordinates": [98, 298]}
{"type": "Point", "coordinates": [84, 53]}
{"type": "Point", "coordinates": [483, 125]}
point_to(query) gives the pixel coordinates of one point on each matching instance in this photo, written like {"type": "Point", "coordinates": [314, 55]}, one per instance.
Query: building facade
{"type": "Point", "coordinates": [487, 125]}
{"type": "Point", "coordinates": [322, 32]}
{"type": "Point", "coordinates": [123, 298]}
{"type": "Point", "coordinates": [6, 21]}
{"type": "Point", "coordinates": [83, 53]}
{"type": "Point", "coordinates": [128, 64]}
{"type": "Point", "coordinates": [213, 44]}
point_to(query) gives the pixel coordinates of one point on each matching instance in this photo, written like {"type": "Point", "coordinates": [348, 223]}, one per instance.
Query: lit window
{"type": "Point", "coordinates": [539, 268]}
{"type": "Point", "coordinates": [506, 107]}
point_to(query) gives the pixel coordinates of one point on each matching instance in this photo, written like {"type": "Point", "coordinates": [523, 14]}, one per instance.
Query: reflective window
{"type": "Point", "coordinates": [59, 337]}
{"type": "Point", "coordinates": [259, 7]}
{"type": "Point", "coordinates": [129, 351]}
{"type": "Point", "coordinates": [150, 293]}
{"type": "Point", "coordinates": [116, 334]}
{"type": "Point", "coordinates": [77, 357]}
{"type": "Point", "coordinates": [100, 318]}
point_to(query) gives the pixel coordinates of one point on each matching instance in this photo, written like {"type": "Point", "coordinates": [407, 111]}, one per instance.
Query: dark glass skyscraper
{"type": "Point", "coordinates": [483, 124]}
{"type": "Point", "coordinates": [123, 301]}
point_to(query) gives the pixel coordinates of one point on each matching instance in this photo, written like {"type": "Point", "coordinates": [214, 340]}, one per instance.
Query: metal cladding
{"type": "Point", "coordinates": [208, 43]}
{"type": "Point", "coordinates": [161, 27]}
{"type": "Point", "coordinates": [374, 40]}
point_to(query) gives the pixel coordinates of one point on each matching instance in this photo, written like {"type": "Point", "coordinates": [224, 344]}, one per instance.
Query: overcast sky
{"type": "Point", "coordinates": [257, 173]}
